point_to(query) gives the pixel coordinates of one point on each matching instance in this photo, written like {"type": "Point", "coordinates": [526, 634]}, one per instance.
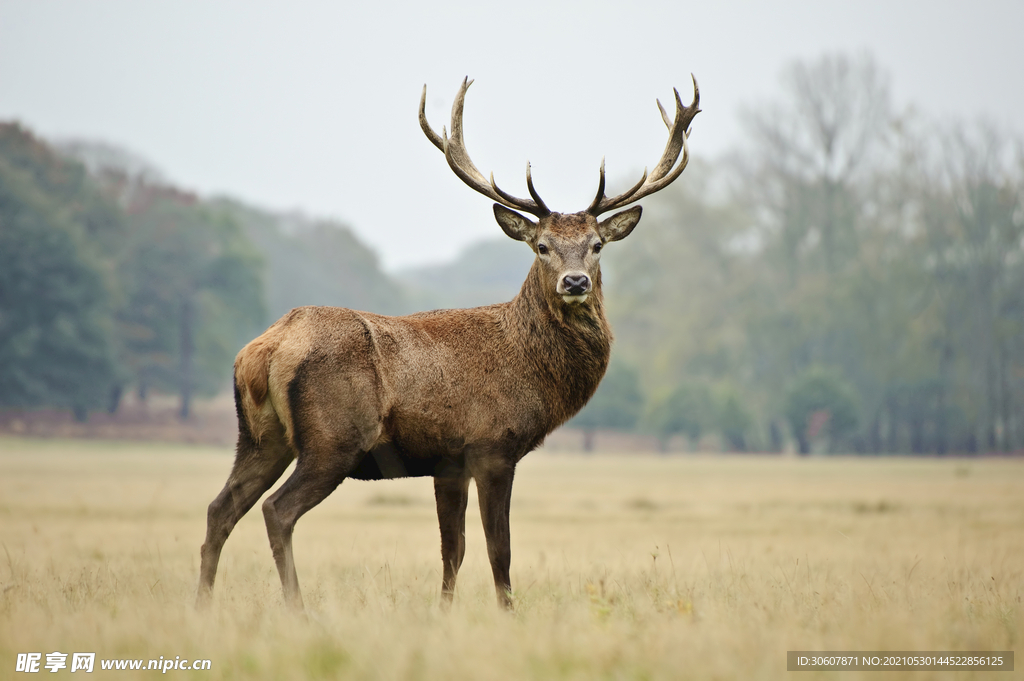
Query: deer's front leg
{"type": "Point", "coordinates": [452, 495]}
{"type": "Point", "coordinates": [494, 487]}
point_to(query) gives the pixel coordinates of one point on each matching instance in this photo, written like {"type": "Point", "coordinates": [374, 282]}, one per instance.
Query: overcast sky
{"type": "Point", "coordinates": [312, 106]}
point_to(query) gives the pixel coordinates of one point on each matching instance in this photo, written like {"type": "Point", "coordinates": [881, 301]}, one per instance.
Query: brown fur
{"type": "Point", "coordinates": [453, 394]}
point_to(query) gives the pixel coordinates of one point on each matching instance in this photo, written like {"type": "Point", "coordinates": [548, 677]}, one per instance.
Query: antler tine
{"type": "Point", "coordinates": [455, 153]}
{"type": "Point", "coordinates": [529, 187]}
{"type": "Point", "coordinates": [541, 209]}
{"type": "Point", "coordinates": [434, 138]}
{"type": "Point", "coordinates": [600, 192]}
{"type": "Point", "coordinates": [663, 174]}
{"type": "Point", "coordinates": [602, 204]}
{"type": "Point", "coordinates": [664, 114]}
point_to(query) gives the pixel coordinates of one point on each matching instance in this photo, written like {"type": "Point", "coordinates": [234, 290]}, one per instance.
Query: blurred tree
{"type": "Point", "coordinates": [733, 419]}
{"type": "Point", "coordinates": [194, 291]}
{"type": "Point", "coordinates": [811, 177]}
{"type": "Point", "coordinates": [810, 152]}
{"type": "Point", "coordinates": [675, 289]}
{"type": "Point", "coordinates": [66, 185]}
{"type": "Point", "coordinates": [315, 262]}
{"type": "Point", "coordinates": [820, 404]}
{"type": "Point", "coordinates": [689, 409]}
{"type": "Point", "coordinates": [885, 248]}
{"type": "Point", "coordinates": [56, 298]}
{"type": "Point", "coordinates": [113, 278]}
{"type": "Point", "coordinates": [616, 405]}
{"type": "Point", "coordinates": [972, 209]}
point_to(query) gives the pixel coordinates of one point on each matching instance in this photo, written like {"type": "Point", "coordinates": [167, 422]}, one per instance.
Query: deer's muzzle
{"type": "Point", "coordinates": [574, 287]}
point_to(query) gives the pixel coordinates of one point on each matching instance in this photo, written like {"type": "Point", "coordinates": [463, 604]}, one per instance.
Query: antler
{"type": "Point", "coordinates": [454, 150]}
{"type": "Point", "coordinates": [663, 174]}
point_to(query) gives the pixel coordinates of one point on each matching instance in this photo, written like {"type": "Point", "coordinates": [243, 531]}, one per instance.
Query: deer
{"type": "Point", "coordinates": [456, 395]}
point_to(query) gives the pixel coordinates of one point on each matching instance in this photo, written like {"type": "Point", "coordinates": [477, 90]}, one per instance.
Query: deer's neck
{"type": "Point", "coordinates": [566, 347]}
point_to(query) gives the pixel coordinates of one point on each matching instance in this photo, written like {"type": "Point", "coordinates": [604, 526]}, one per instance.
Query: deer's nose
{"type": "Point", "coordinates": [576, 284]}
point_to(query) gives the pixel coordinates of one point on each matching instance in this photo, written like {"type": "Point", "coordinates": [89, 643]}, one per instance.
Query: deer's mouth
{"type": "Point", "coordinates": [575, 300]}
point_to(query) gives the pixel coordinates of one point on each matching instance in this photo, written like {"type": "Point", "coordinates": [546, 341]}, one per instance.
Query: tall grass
{"type": "Point", "coordinates": [631, 567]}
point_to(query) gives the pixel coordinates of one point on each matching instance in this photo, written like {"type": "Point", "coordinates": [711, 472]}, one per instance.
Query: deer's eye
{"type": "Point", "coordinates": [542, 249]}
{"type": "Point", "coordinates": [598, 246]}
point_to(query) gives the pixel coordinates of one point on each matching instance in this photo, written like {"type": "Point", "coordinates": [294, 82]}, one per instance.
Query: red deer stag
{"type": "Point", "coordinates": [452, 394]}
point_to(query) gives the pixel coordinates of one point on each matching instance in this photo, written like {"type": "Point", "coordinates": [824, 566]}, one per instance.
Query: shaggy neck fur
{"type": "Point", "coordinates": [567, 346]}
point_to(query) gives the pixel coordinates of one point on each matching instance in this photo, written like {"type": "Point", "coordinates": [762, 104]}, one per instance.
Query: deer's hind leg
{"type": "Point", "coordinates": [258, 465]}
{"type": "Point", "coordinates": [335, 423]}
{"type": "Point", "coordinates": [308, 485]}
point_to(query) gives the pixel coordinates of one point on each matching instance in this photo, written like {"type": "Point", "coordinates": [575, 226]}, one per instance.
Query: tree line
{"type": "Point", "coordinates": [112, 279]}
{"type": "Point", "coordinates": [850, 279]}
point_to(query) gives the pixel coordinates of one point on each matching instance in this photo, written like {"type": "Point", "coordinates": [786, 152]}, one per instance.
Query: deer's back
{"type": "Point", "coordinates": [426, 385]}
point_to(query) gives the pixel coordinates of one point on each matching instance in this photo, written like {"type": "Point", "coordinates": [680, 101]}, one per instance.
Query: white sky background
{"type": "Point", "coordinates": [312, 106]}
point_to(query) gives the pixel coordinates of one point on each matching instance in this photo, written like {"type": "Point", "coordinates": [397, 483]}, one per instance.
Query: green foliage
{"type": "Point", "coordinates": [617, 403]}
{"type": "Point", "coordinates": [193, 293]}
{"type": "Point", "coordinates": [674, 287]}
{"type": "Point", "coordinates": [63, 185]}
{"type": "Point", "coordinates": [889, 250]}
{"type": "Point", "coordinates": [56, 340]}
{"type": "Point", "coordinates": [734, 420]}
{"type": "Point", "coordinates": [111, 278]}
{"type": "Point", "coordinates": [820, 404]}
{"type": "Point", "coordinates": [689, 409]}
{"type": "Point", "coordinates": [108, 280]}
{"type": "Point", "coordinates": [694, 409]}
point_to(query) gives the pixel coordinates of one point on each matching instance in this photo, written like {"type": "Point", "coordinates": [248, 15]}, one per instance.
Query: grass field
{"type": "Point", "coordinates": [625, 567]}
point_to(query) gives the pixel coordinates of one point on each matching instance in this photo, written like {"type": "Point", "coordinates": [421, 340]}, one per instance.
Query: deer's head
{"type": "Point", "coordinates": [568, 245]}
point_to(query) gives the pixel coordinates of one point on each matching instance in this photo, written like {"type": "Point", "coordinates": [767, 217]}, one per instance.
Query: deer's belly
{"type": "Point", "coordinates": [388, 461]}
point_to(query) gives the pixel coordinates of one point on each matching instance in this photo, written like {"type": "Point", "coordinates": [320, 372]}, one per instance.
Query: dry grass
{"type": "Point", "coordinates": [632, 567]}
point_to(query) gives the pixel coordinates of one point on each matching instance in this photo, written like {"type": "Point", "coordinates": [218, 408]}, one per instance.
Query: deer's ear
{"type": "Point", "coordinates": [515, 225]}
{"type": "Point", "coordinates": [619, 225]}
